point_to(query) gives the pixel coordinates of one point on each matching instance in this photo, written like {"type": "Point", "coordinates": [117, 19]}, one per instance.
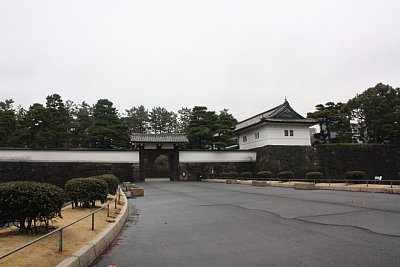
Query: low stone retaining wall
{"type": "Point", "coordinates": [310, 186]}
{"type": "Point", "coordinates": [361, 189]}
{"type": "Point", "coordinates": [304, 186]}
{"type": "Point", "coordinates": [258, 183]}
{"type": "Point", "coordinates": [87, 254]}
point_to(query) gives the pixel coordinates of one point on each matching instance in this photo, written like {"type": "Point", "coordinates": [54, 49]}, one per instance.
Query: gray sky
{"type": "Point", "coordinates": [242, 55]}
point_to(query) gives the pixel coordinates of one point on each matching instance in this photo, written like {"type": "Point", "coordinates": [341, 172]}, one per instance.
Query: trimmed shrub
{"type": "Point", "coordinates": [223, 175]}
{"type": "Point", "coordinates": [246, 175]}
{"type": "Point", "coordinates": [314, 176]}
{"type": "Point", "coordinates": [264, 174]}
{"type": "Point", "coordinates": [355, 175]}
{"type": "Point", "coordinates": [228, 175]}
{"type": "Point", "coordinates": [111, 180]}
{"type": "Point", "coordinates": [286, 175]}
{"type": "Point", "coordinates": [86, 190]}
{"type": "Point", "coordinates": [233, 175]}
{"type": "Point", "coordinates": [102, 190]}
{"type": "Point", "coordinates": [30, 203]}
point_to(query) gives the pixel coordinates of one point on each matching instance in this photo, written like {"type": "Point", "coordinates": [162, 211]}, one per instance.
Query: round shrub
{"type": "Point", "coordinates": [86, 190]}
{"type": "Point", "coordinates": [314, 175]}
{"type": "Point", "coordinates": [246, 175]}
{"type": "Point", "coordinates": [30, 202]}
{"type": "Point", "coordinates": [264, 174]}
{"type": "Point", "coordinates": [233, 175]}
{"type": "Point", "coordinates": [355, 175]}
{"type": "Point", "coordinates": [223, 175]}
{"type": "Point", "coordinates": [286, 175]}
{"type": "Point", "coordinates": [102, 190]}
{"type": "Point", "coordinates": [111, 180]}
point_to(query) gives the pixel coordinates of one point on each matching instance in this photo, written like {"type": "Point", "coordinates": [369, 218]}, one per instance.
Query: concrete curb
{"type": "Point", "coordinates": [301, 186]}
{"type": "Point", "coordinates": [323, 187]}
{"type": "Point", "coordinates": [93, 249]}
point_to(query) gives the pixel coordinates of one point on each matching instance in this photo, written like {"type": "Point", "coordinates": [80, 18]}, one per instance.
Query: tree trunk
{"type": "Point", "coordinates": [22, 226]}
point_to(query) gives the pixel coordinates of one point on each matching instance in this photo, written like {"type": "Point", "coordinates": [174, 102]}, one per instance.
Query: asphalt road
{"type": "Point", "coordinates": [210, 224]}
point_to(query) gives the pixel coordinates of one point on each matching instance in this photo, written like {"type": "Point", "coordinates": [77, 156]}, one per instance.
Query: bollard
{"type": "Point", "coordinates": [119, 197]}
{"type": "Point", "coordinates": [60, 241]}
{"type": "Point", "coordinates": [108, 210]}
{"type": "Point", "coordinates": [92, 221]}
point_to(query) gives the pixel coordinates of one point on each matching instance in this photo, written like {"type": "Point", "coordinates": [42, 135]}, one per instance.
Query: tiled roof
{"type": "Point", "coordinates": [283, 113]}
{"type": "Point", "coordinates": [159, 138]}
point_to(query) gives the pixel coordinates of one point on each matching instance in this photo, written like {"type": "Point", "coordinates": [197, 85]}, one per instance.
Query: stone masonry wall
{"type": "Point", "coordinates": [332, 160]}
{"type": "Point", "coordinates": [58, 172]}
{"type": "Point", "coordinates": [299, 159]}
{"type": "Point", "coordinates": [374, 160]}
{"type": "Point", "coordinates": [192, 170]}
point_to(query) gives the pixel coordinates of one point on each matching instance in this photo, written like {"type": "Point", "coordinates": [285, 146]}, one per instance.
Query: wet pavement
{"type": "Point", "coordinates": [213, 224]}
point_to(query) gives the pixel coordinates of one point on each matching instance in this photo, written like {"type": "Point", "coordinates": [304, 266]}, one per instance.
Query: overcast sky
{"type": "Point", "coordinates": [243, 55]}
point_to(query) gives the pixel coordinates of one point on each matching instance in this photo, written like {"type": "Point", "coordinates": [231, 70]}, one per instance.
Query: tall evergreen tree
{"type": "Point", "coordinates": [137, 119]}
{"type": "Point", "coordinates": [8, 122]}
{"type": "Point", "coordinates": [163, 121]}
{"type": "Point", "coordinates": [334, 122]}
{"type": "Point", "coordinates": [35, 127]}
{"type": "Point", "coordinates": [224, 136]}
{"type": "Point", "coordinates": [377, 110]}
{"type": "Point", "coordinates": [58, 122]}
{"type": "Point", "coordinates": [82, 121]}
{"type": "Point", "coordinates": [200, 130]}
{"type": "Point", "coordinates": [18, 136]}
{"type": "Point", "coordinates": [183, 119]}
{"type": "Point", "coordinates": [107, 130]}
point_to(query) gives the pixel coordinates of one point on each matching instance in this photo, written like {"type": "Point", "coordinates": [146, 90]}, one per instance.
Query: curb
{"type": "Point", "coordinates": [301, 186]}
{"type": "Point", "coordinates": [326, 187]}
{"type": "Point", "coordinates": [93, 249]}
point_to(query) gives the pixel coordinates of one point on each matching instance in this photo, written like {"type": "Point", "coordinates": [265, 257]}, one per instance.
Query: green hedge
{"type": "Point", "coordinates": [111, 180]}
{"type": "Point", "coordinates": [246, 175]}
{"type": "Point", "coordinates": [222, 175]}
{"type": "Point", "coordinates": [84, 191]}
{"type": "Point", "coordinates": [314, 175]}
{"type": "Point", "coordinates": [264, 174]}
{"type": "Point", "coordinates": [286, 175]}
{"type": "Point", "coordinates": [355, 175]}
{"type": "Point", "coordinates": [30, 204]}
{"type": "Point", "coordinates": [228, 175]}
{"type": "Point", "coordinates": [233, 174]}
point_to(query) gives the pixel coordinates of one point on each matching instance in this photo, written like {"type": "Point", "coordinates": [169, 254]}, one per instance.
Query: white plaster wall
{"type": "Point", "coordinates": [70, 156]}
{"type": "Point", "coordinates": [216, 156]}
{"type": "Point", "coordinates": [167, 146]}
{"type": "Point", "coordinates": [121, 156]}
{"type": "Point", "coordinates": [274, 135]}
{"type": "Point", "coordinates": [251, 141]}
{"type": "Point", "coordinates": [150, 146]}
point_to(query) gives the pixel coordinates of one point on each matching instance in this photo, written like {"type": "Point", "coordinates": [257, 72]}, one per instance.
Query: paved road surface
{"type": "Point", "coordinates": [210, 224]}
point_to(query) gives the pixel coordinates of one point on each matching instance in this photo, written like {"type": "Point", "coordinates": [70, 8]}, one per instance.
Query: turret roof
{"type": "Point", "coordinates": [283, 113]}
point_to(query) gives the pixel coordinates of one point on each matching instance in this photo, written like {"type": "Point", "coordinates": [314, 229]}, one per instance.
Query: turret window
{"type": "Point", "coordinates": [289, 133]}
